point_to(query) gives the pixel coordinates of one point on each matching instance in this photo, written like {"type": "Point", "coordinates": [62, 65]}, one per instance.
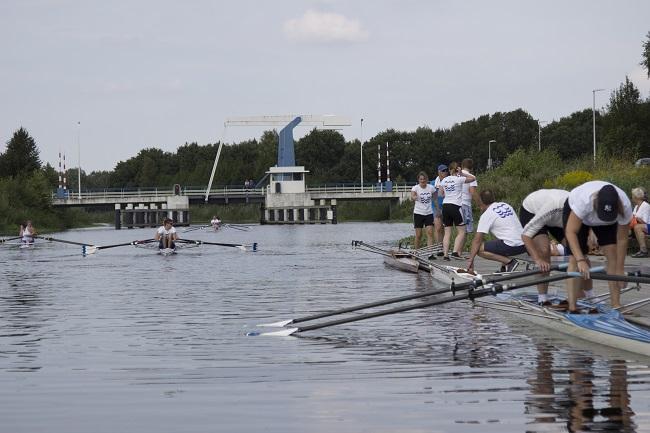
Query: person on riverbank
{"type": "Point", "coordinates": [451, 186]}
{"type": "Point", "coordinates": [541, 215]}
{"type": "Point", "coordinates": [422, 194]}
{"type": "Point", "coordinates": [501, 220]}
{"type": "Point", "coordinates": [166, 235]}
{"type": "Point", "coordinates": [438, 228]}
{"type": "Point", "coordinates": [469, 195]}
{"type": "Point", "coordinates": [640, 225]}
{"type": "Point", "coordinates": [607, 210]}
{"type": "Point", "coordinates": [27, 233]}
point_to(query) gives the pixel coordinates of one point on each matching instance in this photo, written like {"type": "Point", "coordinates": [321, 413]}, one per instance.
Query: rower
{"type": "Point", "coordinates": [606, 209]}
{"type": "Point", "coordinates": [27, 233]}
{"type": "Point", "coordinates": [215, 222]}
{"type": "Point", "coordinates": [421, 194]}
{"type": "Point", "coordinates": [501, 220]}
{"type": "Point", "coordinates": [166, 235]}
{"type": "Point", "coordinates": [541, 215]}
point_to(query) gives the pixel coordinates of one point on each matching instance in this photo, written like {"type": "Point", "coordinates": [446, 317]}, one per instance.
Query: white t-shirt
{"type": "Point", "coordinates": [423, 200]}
{"type": "Point", "coordinates": [215, 221]}
{"type": "Point", "coordinates": [163, 231]}
{"type": "Point", "coordinates": [581, 201]}
{"type": "Point", "coordinates": [453, 187]}
{"type": "Point", "coordinates": [547, 205]}
{"type": "Point", "coordinates": [467, 196]}
{"type": "Point", "coordinates": [501, 220]}
{"type": "Point", "coordinates": [642, 212]}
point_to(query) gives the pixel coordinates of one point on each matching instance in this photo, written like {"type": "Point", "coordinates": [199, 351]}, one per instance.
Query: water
{"type": "Point", "coordinates": [129, 341]}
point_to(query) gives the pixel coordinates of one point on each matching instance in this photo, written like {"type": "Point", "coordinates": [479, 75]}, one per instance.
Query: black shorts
{"type": "Point", "coordinates": [497, 246]}
{"type": "Point", "coordinates": [556, 232]}
{"type": "Point", "coordinates": [452, 215]}
{"type": "Point", "coordinates": [606, 235]}
{"type": "Point", "coordinates": [420, 221]}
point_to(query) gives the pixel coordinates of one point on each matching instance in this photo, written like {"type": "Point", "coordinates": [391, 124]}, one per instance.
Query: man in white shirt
{"type": "Point", "coordinates": [451, 186]}
{"type": "Point", "coordinates": [166, 235]}
{"type": "Point", "coordinates": [469, 194]}
{"type": "Point", "coordinates": [501, 220]}
{"type": "Point", "coordinates": [541, 215]}
{"type": "Point", "coordinates": [641, 221]}
{"type": "Point", "coordinates": [607, 210]}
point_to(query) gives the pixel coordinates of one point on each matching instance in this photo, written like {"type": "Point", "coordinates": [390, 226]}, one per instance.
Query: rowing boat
{"type": "Point", "coordinates": [604, 326]}
{"type": "Point", "coordinates": [167, 251]}
{"type": "Point", "coordinates": [452, 275]}
{"type": "Point", "coordinates": [402, 261]}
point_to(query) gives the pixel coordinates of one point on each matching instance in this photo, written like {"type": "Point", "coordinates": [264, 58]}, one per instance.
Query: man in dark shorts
{"type": "Point", "coordinates": [501, 220]}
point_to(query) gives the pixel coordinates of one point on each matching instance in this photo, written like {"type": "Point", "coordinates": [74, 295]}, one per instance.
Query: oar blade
{"type": "Point", "coordinates": [87, 250]}
{"type": "Point", "coordinates": [281, 333]}
{"type": "Point", "coordinates": [280, 324]}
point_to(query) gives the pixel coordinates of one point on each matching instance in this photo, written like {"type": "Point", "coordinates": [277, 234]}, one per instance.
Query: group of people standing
{"type": "Point", "coordinates": [598, 208]}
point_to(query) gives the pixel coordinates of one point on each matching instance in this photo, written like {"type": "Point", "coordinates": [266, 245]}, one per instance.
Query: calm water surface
{"type": "Point", "coordinates": [130, 341]}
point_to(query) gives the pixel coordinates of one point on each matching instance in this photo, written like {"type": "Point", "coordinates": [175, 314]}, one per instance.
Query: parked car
{"type": "Point", "coordinates": [642, 162]}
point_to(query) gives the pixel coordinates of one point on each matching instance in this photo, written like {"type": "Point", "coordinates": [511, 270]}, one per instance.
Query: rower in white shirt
{"type": "Point", "coordinates": [451, 186]}
{"type": "Point", "coordinates": [501, 220]}
{"type": "Point", "coordinates": [166, 235]}
{"type": "Point", "coordinates": [215, 222]}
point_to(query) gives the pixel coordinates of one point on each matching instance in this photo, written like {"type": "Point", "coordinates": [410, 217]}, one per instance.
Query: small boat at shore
{"type": "Point", "coordinates": [402, 261]}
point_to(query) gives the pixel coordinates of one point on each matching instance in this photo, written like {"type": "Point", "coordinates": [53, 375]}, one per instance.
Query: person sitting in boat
{"type": "Point", "coordinates": [640, 225]}
{"type": "Point", "coordinates": [501, 220]}
{"type": "Point", "coordinates": [27, 233]}
{"type": "Point", "coordinates": [541, 215]}
{"type": "Point", "coordinates": [421, 194]}
{"type": "Point", "coordinates": [607, 210]}
{"type": "Point", "coordinates": [215, 222]}
{"type": "Point", "coordinates": [166, 235]}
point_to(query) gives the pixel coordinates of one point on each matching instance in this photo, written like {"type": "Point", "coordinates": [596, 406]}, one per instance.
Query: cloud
{"type": "Point", "coordinates": [324, 27]}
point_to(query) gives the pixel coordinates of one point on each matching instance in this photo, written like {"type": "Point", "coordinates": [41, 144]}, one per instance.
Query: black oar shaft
{"type": "Point", "coordinates": [63, 241]}
{"type": "Point", "coordinates": [624, 278]}
{"type": "Point", "coordinates": [10, 239]}
{"type": "Point", "coordinates": [125, 244]}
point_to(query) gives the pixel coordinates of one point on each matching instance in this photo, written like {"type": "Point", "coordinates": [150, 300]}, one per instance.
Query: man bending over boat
{"type": "Point", "coordinates": [501, 220]}
{"type": "Point", "coordinates": [541, 215]}
{"type": "Point", "coordinates": [166, 235]}
{"type": "Point", "coordinates": [27, 233]}
{"type": "Point", "coordinates": [607, 210]}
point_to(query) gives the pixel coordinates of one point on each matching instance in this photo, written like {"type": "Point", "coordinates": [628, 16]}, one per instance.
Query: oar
{"type": "Point", "coordinates": [191, 229]}
{"type": "Point", "coordinates": [242, 247]}
{"type": "Point", "coordinates": [453, 289]}
{"type": "Point", "coordinates": [242, 228]}
{"type": "Point", "coordinates": [92, 249]}
{"type": "Point", "coordinates": [10, 239]}
{"type": "Point", "coordinates": [492, 289]}
{"type": "Point", "coordinates": [629, 278]}
{"type": "Point", "coordinates": [63, 241]}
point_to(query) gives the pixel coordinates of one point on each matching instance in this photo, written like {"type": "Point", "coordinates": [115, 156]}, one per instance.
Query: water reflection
{"type": "Point", "coordinates": [572, 391]}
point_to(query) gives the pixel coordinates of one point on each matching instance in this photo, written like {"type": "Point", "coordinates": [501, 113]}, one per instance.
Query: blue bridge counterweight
{"type": "Point", "coordinates": [286, 154]}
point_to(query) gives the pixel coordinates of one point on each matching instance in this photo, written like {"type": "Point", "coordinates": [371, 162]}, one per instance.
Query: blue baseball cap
{"type": "Point", "coordinates": [442, 167]}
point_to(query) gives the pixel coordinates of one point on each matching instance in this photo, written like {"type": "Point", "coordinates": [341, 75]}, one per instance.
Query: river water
{"type": "Point", "coordinates": [127, 340]}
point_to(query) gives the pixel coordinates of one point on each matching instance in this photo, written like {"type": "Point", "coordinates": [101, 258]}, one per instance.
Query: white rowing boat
{"type": "Point", "coordinates": [402, 261]}
{"type": "Point", "coordinates": [452, 275]}
{"type": "Point", "coordinates": [604, 326]}
{"type": "Point", "coordinates": [167, 251]}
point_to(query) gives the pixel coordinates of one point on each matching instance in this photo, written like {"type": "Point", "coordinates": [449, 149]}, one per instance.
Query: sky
{"type": "Point", "coordinates": [104, 79]}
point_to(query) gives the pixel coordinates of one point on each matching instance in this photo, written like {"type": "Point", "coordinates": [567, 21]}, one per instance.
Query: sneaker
{"type": "Point", "coordinates": [511, 266]}
{"type": "Point", "coordinates": [545, 303]}
{"type": "Point", "coordinates": [640, 254]}
{"type": "Point", "coordinates": [432, 257]}
{"type": "Point", "coordinates": [455, 255]}
{"type": "Point", "coordinates": [440, 254]}
{"type": "Point", "coordinates": [446, 258]}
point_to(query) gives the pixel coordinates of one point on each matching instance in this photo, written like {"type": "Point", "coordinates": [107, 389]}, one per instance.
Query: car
{"type": "Point", "coordinates": [642, 162]}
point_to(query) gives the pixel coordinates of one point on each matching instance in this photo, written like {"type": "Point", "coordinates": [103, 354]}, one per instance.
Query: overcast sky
{"type": "Point", "coordinates": [120, 76]}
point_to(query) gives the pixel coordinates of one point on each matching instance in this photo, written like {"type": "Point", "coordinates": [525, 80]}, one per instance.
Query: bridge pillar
{"type": "Point", "coordinates": [118, 216]}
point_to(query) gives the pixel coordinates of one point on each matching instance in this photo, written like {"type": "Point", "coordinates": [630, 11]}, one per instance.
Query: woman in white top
{"type": "Point", "coordinates": [166, 235]}
{"type": "Point", "coordinates": [641, 220]}
{"type": "Point", "coordinates": [27, 233]}
{"type": "Point", "coordinates": [607, 210]}
{"type": "Point", "coordinates": [451, 186]}
{"type": "Point", "coordinates": [421, 194]}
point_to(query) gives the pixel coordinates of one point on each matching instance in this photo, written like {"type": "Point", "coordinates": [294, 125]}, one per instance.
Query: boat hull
{"type": "Point", "coordinates": [403, 262]}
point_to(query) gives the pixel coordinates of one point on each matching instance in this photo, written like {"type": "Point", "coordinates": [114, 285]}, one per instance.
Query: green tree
{"type": "Point", "coordinates": [21, 156]}
{"type": "Point", "coordinates": [646, 55]}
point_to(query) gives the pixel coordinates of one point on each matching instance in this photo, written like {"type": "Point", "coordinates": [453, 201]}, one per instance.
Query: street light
{"type": "Point", "coordinates": [361, 156]}
{"type": "Point", "coordinates": [79, 155]}
{"type": "Point", "coordinates": [593, 116]}
{"type": "Point", "coordinates": [490, 153]}
{"type": "Point", "coordinates": [539, 134]}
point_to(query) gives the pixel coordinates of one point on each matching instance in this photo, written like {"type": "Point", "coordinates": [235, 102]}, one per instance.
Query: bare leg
{"type": "Point", "coordinates": [543, 247]}
{"type": "Point", "coordinates": [438, 232]}
{"type": "Point", "coordinates": [418, 236]}
{"type": "Point", "coordinates": [639, 234]}
{"type": "Point", "coordinates": [446, 240]}
{"type": "Point", "coordinates": [429, 232]}
{"type": "Point", "coordinates": [459, 242]}
{"type": "Point", "coordinates": [614, 289]}
{"type": "Point", "coordinates": [576, 286]}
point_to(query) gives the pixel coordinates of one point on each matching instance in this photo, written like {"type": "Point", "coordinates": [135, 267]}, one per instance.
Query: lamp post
{"type": "Point", "coordinates": [539, 134]}
{"type": "Point", "coordinates": [361, 143]}
{"type": "Point", "coordinates": [593, 117]}
{"type": "Point", "coordinates": [490, 153]}
{"type": "Point", "coordinates": [79, 155]}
